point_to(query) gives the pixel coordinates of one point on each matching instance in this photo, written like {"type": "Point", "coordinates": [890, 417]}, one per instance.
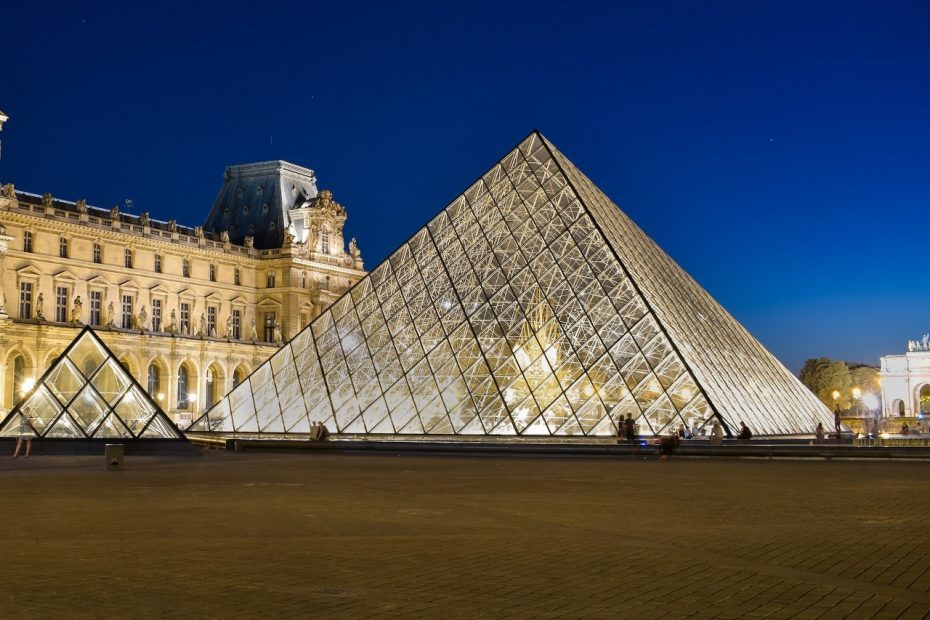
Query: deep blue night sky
{"type": "Point", "coordinates": [778, 151]}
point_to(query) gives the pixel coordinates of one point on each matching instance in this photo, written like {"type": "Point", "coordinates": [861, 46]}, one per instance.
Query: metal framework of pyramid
{"type": "Point", "coordinates": [88, 394]}
{"type": "Point", "coordinates": [531, 305]}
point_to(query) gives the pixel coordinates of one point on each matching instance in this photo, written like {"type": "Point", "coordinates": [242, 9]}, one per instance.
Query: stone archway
{"type": "Point", "coordinates": [923, 400]}
{"type": "Point", "coordinates": [215, 385]}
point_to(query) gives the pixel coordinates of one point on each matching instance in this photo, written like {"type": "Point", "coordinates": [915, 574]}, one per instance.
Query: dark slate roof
{"type": "Point", "coordinates": [255, 200]}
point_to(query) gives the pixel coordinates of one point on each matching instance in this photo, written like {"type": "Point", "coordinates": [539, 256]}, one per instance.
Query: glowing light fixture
{"type": "Point", "coordinates": [27, 385]}
{"type": "Point", "coordinates": [836, 394]}
{"type": "Point", "coordinates": [857, 393]}
{"type": "Point", "coordinates": [160, 396]}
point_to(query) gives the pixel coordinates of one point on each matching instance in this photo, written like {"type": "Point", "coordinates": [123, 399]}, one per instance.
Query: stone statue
{"type": "Point", "coordinates": [198, 232]}
{"type": "Point", "coordinates": [203, 325]}
{"type": "Point", "coordinates": [77, 310]}
{"type": "Point", "coordinates": [325, 203]}
{"type": "Point", "coordinates": [277, 333]}
{"type": "Point", "coordinates": [224, 236]}
{"type": "Point", "coordinates": [81, 205]}
{"type": "Point", "coordinates": [2, 228]}
{"type": "Point", "coordinates": [114, 213]}
{"type": "Point", "coordinates": [314, 235]}
{"type": "Point", "coordinates": [253, 334]}
{"type": "Point", "coordinates": [144, 219]}
{"type": "Point", "coordinates": [173, 325]}
{"type": "Point", "coordinates": [249, 241]}
{"type": "Point", "coordinates": [173, 225]}
{"type": "Point", "coordinates": [9, 191]}
{"type": "Point", "coordinates": [40, 311]}
{"type": "Point", "coordinates": [46, 199]}
{"type": "Point", "coordinates": [111, 314]}
{"type": "Point", "coordinates": [143, 317]}
{"type": "Point", "coordinates": [288, 238]}
{"type": "Point", "coordinates": [911, 345]}
{"type": "Point", "coordinates": [353, 249]}
{"type": "Point", "coordinates": [228, 333]}
{"type": "Point", "coordinates": [925, 342]}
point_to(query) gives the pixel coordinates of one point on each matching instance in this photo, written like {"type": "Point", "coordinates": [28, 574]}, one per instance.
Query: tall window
{"type": "Point", "coordinates": [27, 241]}
{"type": "Point", "coordinates": [63, 247]}
{"type": "Point", "coordinates": [269, 326]}
{"type": "Point", "coordinates": [185, 318]}
{"type": "Point", "coordinates": [211, 321]}
{"type": "Point", "coordinates": [154, 383]}
{"type": "Point", "coordinates": [269, 280]}
{"type": "Point", "coordinates": [61, 304]}
{"type": "Point", "coordinates": [96, 299]}
{"type": "Point", "coordinates": [238, 376]}
{"type": "Point", "coordinates": [186, 268]}
{"type": "Point", "coordinates": [127, 311]}
{"type": "Point", "coordinates": [97, 254]}
{"type": "Point", "coordinates": [237, 324]}
{"type": "Point", "coordinates": [212, 272]}
{"type": "Point", "coordinates": [183, 382]}
{"type": "Point", "coordinates": [211, 389]}
{"type": "Point", "coordinates": [158, 263]}
{"type": "Point", "coordinates": [19, 376]}
{"type": "Point", "coordinates": [156, 315]}
{"type": "Point", "coordinates": [237, 278]}
{"type": "Point", "coordinates": [25, 300]}
{"type": "Point", "coordinates": [324, 240]}
{"type": "Point", "coordinates": [127, 259]}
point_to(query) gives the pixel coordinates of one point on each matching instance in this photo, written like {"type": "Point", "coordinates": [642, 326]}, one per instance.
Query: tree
{"type": "Point", "coordinates": [823, 377]}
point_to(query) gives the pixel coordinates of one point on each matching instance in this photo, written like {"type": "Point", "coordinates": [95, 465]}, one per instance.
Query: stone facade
{"type": "Point", "coordinates": [188, 312]}
{"type": "Point", "coordinates": [906, 383]}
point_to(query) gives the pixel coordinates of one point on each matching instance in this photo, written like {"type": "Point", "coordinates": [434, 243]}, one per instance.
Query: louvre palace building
{"type": "Point", "coordinates": [188, 311]}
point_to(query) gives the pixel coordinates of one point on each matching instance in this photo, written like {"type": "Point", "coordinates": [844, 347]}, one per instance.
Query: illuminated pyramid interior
{"type": "Point", "coordinates": [531, 305]}
{"type": "Point", "coordinates": [87, 394]}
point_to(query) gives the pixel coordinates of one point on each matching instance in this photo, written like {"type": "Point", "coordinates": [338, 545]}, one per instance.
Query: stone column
{"type": "Point", "coordinates": [4, 246]}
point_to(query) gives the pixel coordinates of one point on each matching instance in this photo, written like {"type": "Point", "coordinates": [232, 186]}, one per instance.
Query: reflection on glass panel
{"type": "Point", "coordinates": [88, 409]}
{"type": "Point", "coordinates": [65, 381]}
{"type": "Point", "coordinates": [87, 355]}
{"type": "Point", "coordinates": [111, 381]}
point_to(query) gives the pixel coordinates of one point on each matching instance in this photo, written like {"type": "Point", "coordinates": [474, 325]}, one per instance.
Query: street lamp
{"type": "Point", "coordinates": [857, 394]}
{"type": "Point", "coordinates": [836, 395]}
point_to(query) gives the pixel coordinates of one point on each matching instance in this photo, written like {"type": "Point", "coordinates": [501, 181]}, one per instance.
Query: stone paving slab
{"type": "Point", "coordinates": [340, 535]}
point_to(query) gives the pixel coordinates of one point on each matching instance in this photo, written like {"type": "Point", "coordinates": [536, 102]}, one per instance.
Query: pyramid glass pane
{"type": "Point", "coordinates": [88, 393]}
{"type": "Point", "coordinates": [531, 305]}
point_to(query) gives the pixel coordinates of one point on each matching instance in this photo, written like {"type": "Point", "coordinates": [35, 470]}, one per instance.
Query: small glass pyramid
{"type": "Point", "coordinates": [87, 394]}
{"type": "Point", "coordinates": [531, 305]}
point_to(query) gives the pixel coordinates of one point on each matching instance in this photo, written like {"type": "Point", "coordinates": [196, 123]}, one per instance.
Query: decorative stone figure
{"type": "Point", "coordinates": [81, 205]}
{"type": "Point", "coordinates": [144, 219]}
{"type": "Point", "coordinates": [224, 236]}
{"type": "Point", "coordinates": [46, 200]}
{"type": "Point", "coordinates": [77, 310]}
{"type": "Point", "coordinates": [143, 317]}
{"type": "Point", "coordinates": [111, 314]}
{"type": "Point", "coordinates": [40, 311]}
{"type": "Point", "coordinates": [198, 232]}
{"type": "Point", "coordinates": [203, 325]}
{"type": "Point", "coordinates": [173, 225]}
{"type": "Point", "coordinates": [249, 241]}
{"type": "Point", "coordinates": [9, 191]}
{"type": "Point", "coordinates": [228, 333]}
{"type": "Point", "coordinates": [253, 334]}
{"type": "Point", "coordinates": [277, 333]}
{"type": "Point", "coordinates": [173, 325]}
{"type": "Point", "coordinates": [911, 345]}
{"type": "Point", "coordinates": [288, 238]}
{"type": "Point", "coordinates": [114, 213]}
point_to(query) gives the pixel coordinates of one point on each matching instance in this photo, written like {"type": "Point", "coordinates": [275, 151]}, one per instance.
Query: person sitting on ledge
{"type": "Point", "coordinates": [716, 434]}
{"type": "Point", "coordinates": [744, 433]}
{"type": "Point", "coordinates": [324, 432]}
{"type": "Point", "coordinates": [818, 434]}
{"type": "Point", "coordinates": [667, 445]}
{"type": "Point", "coordinates": [904, 429]}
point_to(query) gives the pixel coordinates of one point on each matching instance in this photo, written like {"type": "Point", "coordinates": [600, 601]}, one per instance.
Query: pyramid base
{"type": "Point", "coordinates": [93, 447]}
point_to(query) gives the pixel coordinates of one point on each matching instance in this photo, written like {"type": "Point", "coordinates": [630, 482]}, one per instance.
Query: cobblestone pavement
{"type": "Point", "coordinates": [337, 535]}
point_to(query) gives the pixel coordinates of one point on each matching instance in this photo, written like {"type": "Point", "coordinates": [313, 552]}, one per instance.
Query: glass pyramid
{"type": "Point", "coordinates": [531, 305]}
{"type": "Point", "coordinates": [87, 394]}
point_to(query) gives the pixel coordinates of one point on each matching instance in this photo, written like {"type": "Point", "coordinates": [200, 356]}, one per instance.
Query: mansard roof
{"type": "Point", "coordinates": [255, 201]}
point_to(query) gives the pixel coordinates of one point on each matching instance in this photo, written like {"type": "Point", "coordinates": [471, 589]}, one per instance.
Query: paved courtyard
{"type": "Point", "coordinates": [338, 535]}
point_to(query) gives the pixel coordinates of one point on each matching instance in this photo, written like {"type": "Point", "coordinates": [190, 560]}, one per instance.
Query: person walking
{"type": "Point", "coordinates": [26, 432]}
{"type": "Point", "coordinates": [836, 420]}
{"type": "Point", "coordinates": [629, 428]}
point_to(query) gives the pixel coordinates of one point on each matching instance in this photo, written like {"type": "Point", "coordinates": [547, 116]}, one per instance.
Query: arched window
{"type": "Point", "coordinates": [19, 377]}
{"type": "Point", "coordinates": [211, 389]}
{"type": "Point", "coordinates": [238, 376]}
{"type": "Point", "coordinates": [154, 384]}
{"type": "Point", "coordinates": [925, 400]}
{"type": "Point", "coordinates": [900, 408]}
{"type": "Point", "coordinates": [324, 240]}
{"type": "Point", "coordinates": [183, 382]}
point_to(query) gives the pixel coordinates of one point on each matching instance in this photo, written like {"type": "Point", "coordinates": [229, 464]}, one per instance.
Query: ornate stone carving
{"type": "Point", "coordinates": [111, 315]}
{"type": "Point", "coordinates": [253, 334]}
{"type": "Point", "coordinates": [9, 191]}
{"type": "Point", "coordinates": [249, 241]}
{"type": "Point", "coordinates": [173, 324]}
{"type": "Point", "coordinates": [328, 206]}
{"type": "Point", "coordinates": [142, 318]}
{"type": "Point", "coordinates": [198, 232]}
{"type": "Point", "coordinates": [173, 225]}
{"type": "Point", "coordinates": [77, 310]}
{"type": "Point", "coordinates": [228, 333]}
{"type": "Point", "coordinates": [144, 219]}
{"type": "Point", "coordinates": [224, 236]}
{"type": "Point", "coordinates": [288, 238]}
{"type": "Point", "coordinates": [203, 325]}
{"type": "Point", "coordinates": [81, 205]}
{"type": "Point", "coordinates": [40, 307]}
{"type": "Point", "coordinates": [114, 213]}
{"type": "Point", "coordinates": [47, 200]}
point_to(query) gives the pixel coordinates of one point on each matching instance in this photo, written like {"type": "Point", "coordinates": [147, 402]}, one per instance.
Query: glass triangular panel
{"type": "Point", "coordinates": [112, 428]}
{"type": "Point", "coordinates": [64, 428]}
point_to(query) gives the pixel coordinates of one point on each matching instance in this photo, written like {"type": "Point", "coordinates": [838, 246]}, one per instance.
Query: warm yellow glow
{"type": "Point", "coordinates": [27, 385]}
{"type": "Point", "coordinates": [160, 396]}
{"type": "Point", "coordinates": [686, 394]}
{"type": "Point", "coordinates": [857, 393]}
{"type": "Point", "coordinates": [192, 397]}
{"type": "Point", "coordinates": [836, 394]}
